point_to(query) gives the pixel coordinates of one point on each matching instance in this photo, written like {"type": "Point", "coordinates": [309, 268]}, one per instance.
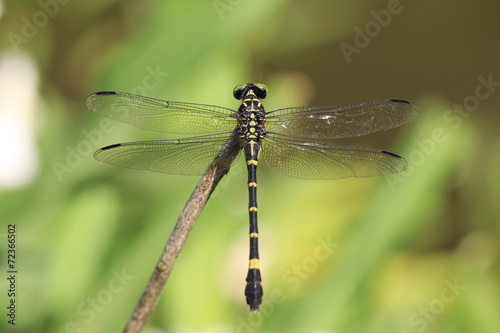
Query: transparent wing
{"type": "Point", "coordinates": [162, 116]}
{"type": "Point", "coordinates": [189, 156]}
{"type": "Point", "coordinates": [329, 122]}
{"type": "Point", "coordinates": [314, 160]}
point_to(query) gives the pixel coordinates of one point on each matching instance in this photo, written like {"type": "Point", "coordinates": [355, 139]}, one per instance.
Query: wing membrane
{"type": "Point", "coordinates": [190, 156]}
{"type": "Point", "coordinates": [162, 116]}
{"type": "Point", "coordinates": [315, 160]}
{"type": "Point", "coordinates": [329, 122]}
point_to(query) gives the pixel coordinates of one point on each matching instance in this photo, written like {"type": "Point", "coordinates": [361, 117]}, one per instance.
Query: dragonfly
{"type": "Point", "coordinates": [293, 141]}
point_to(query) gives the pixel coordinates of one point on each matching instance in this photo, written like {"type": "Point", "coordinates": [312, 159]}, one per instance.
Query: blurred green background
{"type": "Point", "coordinates": [414, 252]}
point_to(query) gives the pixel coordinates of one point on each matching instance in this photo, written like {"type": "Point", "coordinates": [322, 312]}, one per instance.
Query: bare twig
{"type": "Point", "coordinates": [214, 173]}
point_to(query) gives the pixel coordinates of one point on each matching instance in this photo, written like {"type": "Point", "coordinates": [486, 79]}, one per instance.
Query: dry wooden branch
{"type": "Point", "coordinates": [214, 173]}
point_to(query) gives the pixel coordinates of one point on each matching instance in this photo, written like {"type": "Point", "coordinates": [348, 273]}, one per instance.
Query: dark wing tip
{"type": "Point", "coordinates": [110, 147]}
{"type": "Point", "coordinates": [407, 107]}
{"type": "Point", "coordinates": [97, 154]}
{"type": "Point", "coordinates": [91, 99]}
{"type": "Point", "coordinates": [387, 153]}
{"type": "Point", "coordinates": [403, 101]}
{"type": "Point", "coordinates": [106, 93]}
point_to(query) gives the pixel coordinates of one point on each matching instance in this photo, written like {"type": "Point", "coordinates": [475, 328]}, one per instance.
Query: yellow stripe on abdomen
{"type": "Point", "coordinates": [253, 264]}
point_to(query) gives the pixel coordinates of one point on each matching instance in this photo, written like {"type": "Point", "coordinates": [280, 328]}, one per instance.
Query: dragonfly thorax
{"type": "Point", "coordinates": [251, 116]}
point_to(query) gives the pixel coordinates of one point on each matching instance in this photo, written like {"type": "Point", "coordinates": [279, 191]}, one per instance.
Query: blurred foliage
{"type": "Point", "coordinates": [414, 252]}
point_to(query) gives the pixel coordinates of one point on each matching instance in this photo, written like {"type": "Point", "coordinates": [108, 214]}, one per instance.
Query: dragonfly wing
{"type": "Point", "coordinates": [315, 160]}
{"type": "Point", "coordinates": [329, 122]}
{"type": "Point", "coordinates": [190, 156]}
{"type": "Point", "coordinates": [162, 116]}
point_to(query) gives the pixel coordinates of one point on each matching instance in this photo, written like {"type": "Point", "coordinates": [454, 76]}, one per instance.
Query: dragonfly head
{"type": "Point", "coordinates": [258, 89]}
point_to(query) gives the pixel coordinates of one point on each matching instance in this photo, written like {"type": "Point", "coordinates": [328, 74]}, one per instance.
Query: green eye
{"type": "Point", "coordinates": [238, 91]}
{"type": "Point", "coordinates": [261, 90]}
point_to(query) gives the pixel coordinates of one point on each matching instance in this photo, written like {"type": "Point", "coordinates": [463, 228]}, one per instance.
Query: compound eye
{"type": "Point", "coordinates": [239, 91]}
{"type": "Point", "coordinates": [261, 90]}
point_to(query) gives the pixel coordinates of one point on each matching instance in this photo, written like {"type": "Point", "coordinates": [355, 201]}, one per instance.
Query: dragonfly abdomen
{"type": "Point", "coordinates": [253, 290]}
